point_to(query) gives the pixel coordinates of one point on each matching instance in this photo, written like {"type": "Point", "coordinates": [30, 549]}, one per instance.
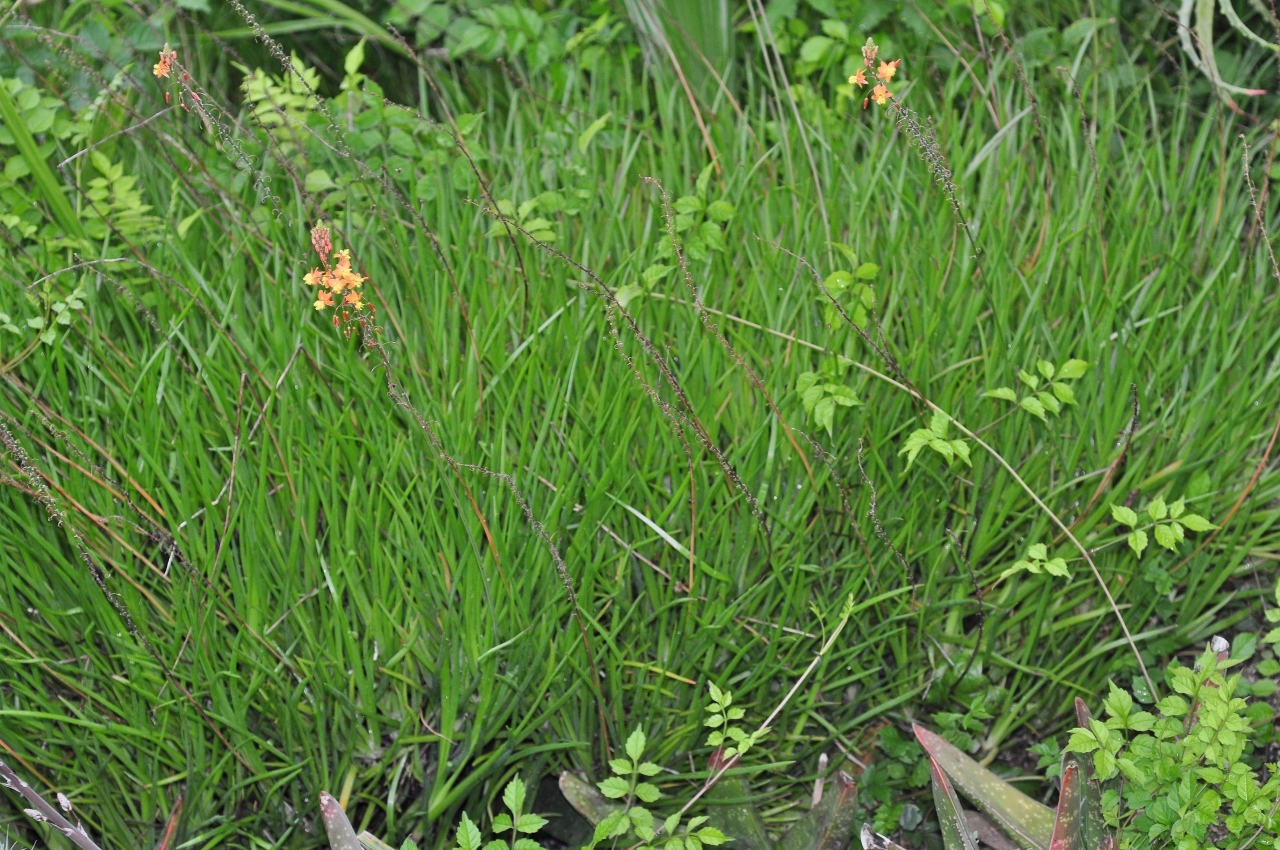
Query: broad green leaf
{"type": "Point", "coordinates": [626, 293]}
{"type": "Point", "coordinates": [621, 767]}
{"type": "Point", "coordinates": [1050, 403]}
{"type": "Point", "coordinates": [654, 273]}
{"type": "Point", "coordinates": [468, 835]}
{"type": "Point", "coordinates": [526, 844]}
{"type": "Point", "coordinates": [804, 381]}
{"type": "Point", "coordinates": [635, 744]}
{"type": "Point", "coordinates": [1124, 515]}
{"type": "Point", "coordinates": [1137, 541]}
{"type": "Point", "coordinates": [836, 29]}
{"type": "Point", "coordinates": [842, 395]}
{"type": "Point", "coordinates": [1195, 522]}
{"type": "Point", "coordinates": [1057, 567]}
{"type": "Point", "coordinates": [1157, 509]}
{"type": "Point", "coordinates": [914, 443]}
{"type": "Point", "coordinates": [943, 448]}
{"type": "Point", "coordinates": [951, 821]}
{"type": "Point", "coordinates": [867, 271]}
{"type": "Point", "coordinates": [1037, 551]}
{"type": "Point", "coordinates": [354, 58]}
{"type": "Point", "coordinates": [1176, 509]}
{"type": "Point", "coordinates": [815, 48]}
{"type": "Point", "coordinates": [720, 211]}
{"type": "Point", "coordinates": [1073, 369]}
{"type": "Point", "coordinates": [938, 424]}
{"type": "Point", "coordinates": [1002, 392]}
{"type": "Point", "coordinates": [712, 836]}
{"type": "Point", "coordinates": [1067, 832]}
{"type": "Point", "coordinates": [648, 792]}
{"type": "Point", "coordinates": [688, 204]}
{"type": "Point", "coordinates": [1044, 367]}
{"type": "Point", "coordinates": [828, 825]}
{"type": "Point", "coordinates": [336, 826]}
{"type": "Point", "coordinates": [1064, 393]}
{"type": "Point", "coordinates": [838, 282]}
{"type": "Point", "coordinates": [648, 768]}
{"type": "Point", "coordinates": [1166, 538]}
{"type": "Point", "coordinates": [1028, 378]}
{"type": "Point", "coordinates": [530, 823]}
{"type": "Point", "coordinates": [513, 795]}
{"type": "Point", "coordinates": [1019, 815]}
{"type": "Point", "coordinates": [824, 414]}
{"type": "Point", "coordinates": [1033, 406]}
{"type": "Point", "coordinates": [961, 448]}
{"type": "Point", "coordinates": [615, 788]}
{"type": "Point", "coordinates": [593, 129]}
{"type": "Point", "coordinates": [501, 823]}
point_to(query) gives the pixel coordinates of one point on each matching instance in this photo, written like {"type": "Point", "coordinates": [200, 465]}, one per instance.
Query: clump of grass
{"type": "Point", "coordinates": [356, 608]}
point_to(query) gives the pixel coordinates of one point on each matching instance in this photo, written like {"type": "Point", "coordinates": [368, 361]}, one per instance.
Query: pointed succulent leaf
{"type": "Point", "coordinates": [338, 828]}
{"type": "Point", "coordinates": [585, 799]}
{"type": "Point", "coordinates": [951, 822]}
{"type": "Point", "coordinates": [1029, 822]}
{"type": "Point", "coordinates": [828, 825]}
{"type": "Point", "coordinates": [1067, 833]}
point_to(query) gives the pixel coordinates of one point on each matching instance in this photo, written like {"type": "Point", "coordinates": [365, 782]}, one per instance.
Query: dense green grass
{"type": "Point", "coordinates": [346, 624]}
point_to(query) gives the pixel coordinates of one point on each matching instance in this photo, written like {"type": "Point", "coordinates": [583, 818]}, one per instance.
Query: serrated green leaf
{"type": "Point", "coordinates": [621, 767]}
{"type": "Point", "coordinates": [647, 792]}
{"type": "Point", "coordinates": [525, 844]}
{"type": "Point", "coordinates": [1138, 541]}
{"type": "Point", "coordinates": [1064, 393]}
{"type": "Point", "coordinates": [615, 788]}
{"type": "Point", "coordinates": [824, 414]}
{"type": "Point", "coordinates": [961, 448]}
{"type": "Point", "coordinates": [1166, 538]}
{"type": "Point", "coordinates": [468, 835]}
{"type": "Point", "coordinates": [1057, 567]}
{"type": "Point", "coordinates": [720, 211]}
{"type": "Point", "coordinates": [648, 768]}
{"type": "Point", "coordinates": [513, 795]}
{"type": "Point", "coordinates": [1050, 403]}
{"type": "Point", "coordinates": [1037, 551]}
{"type": "Point", "coordinates": [1157, 509]}
{"type": "Point", "coordinates": [1177, 508]}
{"type": "Point", "coordinates": [1124, 515]}
{"type": "Point", "coordinates": [530, 823]}
{"type": "Point", "coordinates": [502, 822]}
{"type": "Point", "coordinates": [1028, 378]}
{"type": "Point", "coordinates": [635, 744]}
{"type": "Point", "coordinates": [867, 271]}
{"type": "Point", "coordinates": [1044, 367]}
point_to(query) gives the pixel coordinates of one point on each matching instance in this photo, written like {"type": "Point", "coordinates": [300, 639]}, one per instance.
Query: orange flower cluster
{"type": "Point", "coordinates": [165, 65]}
{"type": "Point", "coordinates": [880, 94]}
{"type": "Point", "coordinates": [338, 283]}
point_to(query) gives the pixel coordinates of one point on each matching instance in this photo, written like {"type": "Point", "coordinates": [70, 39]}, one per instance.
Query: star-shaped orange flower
{"type": "Point", "coordinates": [880, 95]}
{"type": "Point", "coordinates": [858, 79]}
{"type": "Point", "coordinates": [887, 69]}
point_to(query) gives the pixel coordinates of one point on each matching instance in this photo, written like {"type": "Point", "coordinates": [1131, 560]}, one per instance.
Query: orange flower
{"type": "Point", "coordinates": [323, 299]}
{"type": "Point", "coordinates": [165, 65]}
{"type": "Point", "coordinates": [858, 79]}
{"type": "Point", "coordinates": [880, 95]}
{"type": "Point", "coordinates": [888, 69]}
{"type": "Point", "coordinates": [354, 299]}
{"type": "Point", "coordinates": [312, 277]}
